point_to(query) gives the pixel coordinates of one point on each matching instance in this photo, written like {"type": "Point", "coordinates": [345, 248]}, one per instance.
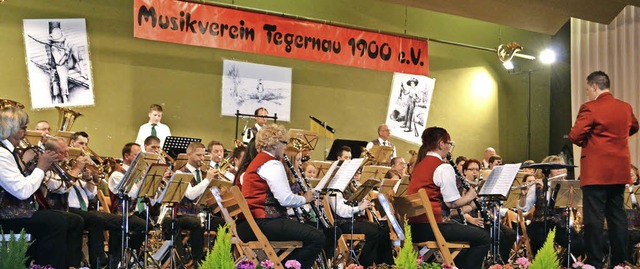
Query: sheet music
{"type": "Point", "coordinates": [345, 174]}
{"type": "Point", "coordinates": [500, 180]}
{"type": "Point", "coordinates": [342, 177]}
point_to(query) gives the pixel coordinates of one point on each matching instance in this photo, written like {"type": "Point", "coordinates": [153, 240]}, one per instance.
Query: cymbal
{"type": "Point", "coordinates": [549, 166]}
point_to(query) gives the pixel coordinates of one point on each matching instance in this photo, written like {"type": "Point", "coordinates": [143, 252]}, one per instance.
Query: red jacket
{"type": "Point", "coordinates": [602, 129]}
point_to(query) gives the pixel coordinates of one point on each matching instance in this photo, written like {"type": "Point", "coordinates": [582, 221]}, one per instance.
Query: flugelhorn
{"type": "Point", "coordinates": [66, 118]}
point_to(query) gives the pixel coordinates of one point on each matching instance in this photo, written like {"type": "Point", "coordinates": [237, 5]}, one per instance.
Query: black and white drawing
{"type": "Point", "coordinates": [248, 86]}
{"type": "Point", "coordinates": [409, 106]}
{"type": "Point", "coordinates": [58, 62]}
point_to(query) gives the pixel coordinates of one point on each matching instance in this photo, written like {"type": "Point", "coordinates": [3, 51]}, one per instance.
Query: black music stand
{"type": "Point", "coordinates": [148, 189]}
{"type": "Point", "coordinates": [569, 196]}
{"type": "Point", "coordinates": [546, 170]}
{"type": "Point", "coordinates": [174, 145]}
{"type": "Point", "coordinates": [172, 195]}
{"type": "Point", "coordinates": [355, 145]}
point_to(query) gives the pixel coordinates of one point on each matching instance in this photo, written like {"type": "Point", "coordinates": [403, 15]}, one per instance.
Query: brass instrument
{"type": "Point", "coordinates": [66, 118]}
{"type": "Point", "coordinates": [102, 169]}
{"type": "Point", "coordinates": [9, 103]}
{"type": "Point", "coordinates": [368, 157]}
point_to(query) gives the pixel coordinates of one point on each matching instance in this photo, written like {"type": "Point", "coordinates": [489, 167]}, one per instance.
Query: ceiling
{"type": "Point", "coordinates": [542, 16]}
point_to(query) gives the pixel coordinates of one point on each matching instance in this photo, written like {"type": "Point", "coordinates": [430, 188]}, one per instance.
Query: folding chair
{"type": "Point", "coordinates": [346, 241]}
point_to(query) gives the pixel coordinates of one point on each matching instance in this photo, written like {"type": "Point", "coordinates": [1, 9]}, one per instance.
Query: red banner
{"type": "Point", "coordinates": [232, 29]}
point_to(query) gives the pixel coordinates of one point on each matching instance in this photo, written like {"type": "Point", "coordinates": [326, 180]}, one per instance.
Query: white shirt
{"type": "Point", "coordinates": [193, 192]}
{"type": "Point", "coordinates": [339, 207]}
{"type": "Point", "coordinates": [274, 174]}
{"type": "Point", "coordinates": [383, 143]}
{"type": "Point", "coordinates": [84, 192]}
{"type": "Point", "coordinates": [162, 131]}
{"type": "Point", "coordinates": [228, 176]}
{"type": "Point", "coordinates": [115, 179]}
{"type": "Point", "coordinates": [248, 134]}
{"type": "Point", "coordinates": [11, 180]}
{"type": "Point", "coordinates": [445, 178]}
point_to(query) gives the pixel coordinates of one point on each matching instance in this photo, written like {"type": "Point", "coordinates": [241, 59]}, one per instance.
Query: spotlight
{"type": "Point", "coordinates": [508, 65]}
{"type": "Point", "coordinates": [547, 56]}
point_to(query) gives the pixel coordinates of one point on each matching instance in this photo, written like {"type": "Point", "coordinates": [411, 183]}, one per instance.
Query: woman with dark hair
{"type": "Point", "coordinates": [438, 178]}
{"type": "Point", "coordinates": [249, 154]}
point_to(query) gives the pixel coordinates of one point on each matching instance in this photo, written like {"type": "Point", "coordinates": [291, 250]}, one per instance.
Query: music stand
{"type": "Point", "coordinates": [402, 185]}
{"type": "Point", "coordinates": [569, 196]}
{"type": "Point", "coordinates": [322, 166]}
{"type": "Point", "coordinates": [310, 137]}
{"type": "Point", "coordinates": [363, 190]}
{"type": "Point", "coordinates": [381, 154]}
{"type": "Point", "coordinates": [181, 161]}
{"type": "Point", "coordinates": [355, 145]}
{"type": "Point", "coordinates": [148, 189]}
{"type": "Point", "coordinates": [65, 135]}
{"type": "Point", "coordinates": [635, 192]}
{"type": "Point", "coordinates": [374, 171]}
{"type": "Point", "coordinates": [172, 195]}
{"type": "Point", "coordinates": [174, 145]}
{"type": "Point", "coordinates": [514, 194]}
{"type": "Point", "coordinates": [388, 184]}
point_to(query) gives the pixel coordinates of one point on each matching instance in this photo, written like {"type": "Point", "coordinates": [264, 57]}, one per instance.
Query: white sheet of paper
{"type": "Point", "coordinates": [500, 180]}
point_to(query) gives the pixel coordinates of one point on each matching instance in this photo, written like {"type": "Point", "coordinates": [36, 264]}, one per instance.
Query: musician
{"type": "Point", "coordinates": [535, 196]}
{"type": "Point", "coordinates": [494, 161]}
{"type": "Point", "coordinates": [43, 127]}
{"type": "Point", "coordinates": [18, 208]}
{"type": "Point", "coordinates": [634, 175]}
{"type": "Point", "coordinates": [488, 152]}
{"type": "Point", "coordinates": [216, 151]}
{"type": "Point", "coordinates": [77, 198]}
{"type": "Point", "coordinates": [152, 144]}
{"type": "Point", "coordinates": [154, 127]}
{"type": "Point", "coordinates": [267, 191]}
{"type": "Point", "coordinates": [260, 120]}
{"type": "Point", "coordinates": [248, 156]}
{"type": "Point", "coordinates": [471, 171]}
{"type": "Point", "coordinates": [526, 169]}
{"type": "Point", "coordinates": [187, 211]}
{"type": "Point", "coordinates": [377, 246]}
{"type": "Point", "coordinates": [397, 171]}
{"type": "Point", "coordinates": [383, 139]}
{"type": "Point", "coordinates": [460, 160]}
{"type": "Point", "coordinates": [439, 180]}
{"type": "Point", "coordinates": [310, 170]}
{"type": "Point", "coordinates": [344, 154]}
{"type": "Point", "coordinates": [236, 158]}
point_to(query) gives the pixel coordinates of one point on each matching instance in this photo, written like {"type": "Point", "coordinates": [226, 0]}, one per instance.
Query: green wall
{"type": "Point", "coordinates": [475, 98]}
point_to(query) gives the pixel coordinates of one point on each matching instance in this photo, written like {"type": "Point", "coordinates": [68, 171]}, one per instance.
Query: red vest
{"type": "Point", "coordinates": [422, 178]}
{"type": "Point", "coordinates": [256, 191]}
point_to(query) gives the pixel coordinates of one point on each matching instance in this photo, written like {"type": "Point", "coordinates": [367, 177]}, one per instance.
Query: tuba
{"type": "Point", "coordinates": [66, 118]}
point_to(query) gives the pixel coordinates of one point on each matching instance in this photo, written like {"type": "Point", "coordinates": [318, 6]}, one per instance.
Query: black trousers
{"type": "Point", "coordinates": [48, 228]}
{"type": "Point", "coordinates": [600, 202]}
{"type": "Point", "coordinates": [377, 245]}
{"type": "Point", "coordinates": [283, 229]}
{"type": "Point", "coordinates": [479, 241]}
{"type": "Point", "coordinates": [96, 223]}
{"type": "Point", "coordinates": [196, 236]}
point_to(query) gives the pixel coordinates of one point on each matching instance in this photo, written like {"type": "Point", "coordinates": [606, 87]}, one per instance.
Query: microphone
{"type": "Point", "coordinates": [329, 128]}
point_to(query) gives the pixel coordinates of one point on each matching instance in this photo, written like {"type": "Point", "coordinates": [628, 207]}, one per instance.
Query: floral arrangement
{"type": "Point", "coordinates": [247, 264]}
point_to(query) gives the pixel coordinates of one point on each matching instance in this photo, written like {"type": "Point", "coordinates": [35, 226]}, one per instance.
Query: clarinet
{"type": "Point", "coordinates": [463, 181]}
{"type": "Point", "coordinates": [302, 185]}
{"type": "Point", "coordinates": [317, 209]}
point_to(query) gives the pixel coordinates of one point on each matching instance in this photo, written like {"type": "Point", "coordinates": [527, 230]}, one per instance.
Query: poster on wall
{"type": "Point", "coordinates": [58, 63]}
{"type": "Point", "coordinates": [248, 86]}
{"type": "Point", "coordinates": [409, 103]}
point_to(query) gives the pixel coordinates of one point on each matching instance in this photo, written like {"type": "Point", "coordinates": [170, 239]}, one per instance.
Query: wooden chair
{"type": "Point", "coordinates": [232, 204]}
{"type": "Point", "coordinates": [345, 241]}
{"type": "Point", "coordinates": [418, 204]}
{"type": "Point", "coordinates": [523, 241]}
{"type": "Point", "coordinates": [105, 202]}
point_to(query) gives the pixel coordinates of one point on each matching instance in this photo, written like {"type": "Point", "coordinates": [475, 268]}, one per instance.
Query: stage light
{"type": "Point", "coordinates": [548, 56]}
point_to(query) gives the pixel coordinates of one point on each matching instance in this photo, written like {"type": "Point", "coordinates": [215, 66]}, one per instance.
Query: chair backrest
{"type": "Point", "coordinates": [232, 204]}
{"type": "Point", "coordinates": [105, 202]}
{"type": "Point", "coordinates": [327, 210]}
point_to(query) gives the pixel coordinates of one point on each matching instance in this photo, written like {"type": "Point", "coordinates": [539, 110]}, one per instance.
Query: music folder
{"type": "Point", "coordinates": [499, 182]}
{"type": "Point", "coordinates": [514, 194]}
{"type": "Point", "coordinates": [374, 171]}
{"type": "Point", "coordinates": [151, 180]}
{"type": "Point", "coordinates": [176, 187]}
{"type": "Point", "coordinates": [363, 190]}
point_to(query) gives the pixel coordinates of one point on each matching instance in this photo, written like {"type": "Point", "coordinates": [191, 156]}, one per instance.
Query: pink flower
{"type": "Point", "coordinates": [267, 264]}
{"type": "Point", "coordinates": [586, 266]}
{"type": "Point", "coordinates": [522, 262]}
{"type": "Point", "coordinates": [292, 264]}
{"type": "Point", "coordinates": [495, 266]}
{"type": "Point", "coordinates": [355, 266]}
{"type": "Point", "coordinates": [420, 259]}
{"type": "Point", "coordinates": [577, 264]}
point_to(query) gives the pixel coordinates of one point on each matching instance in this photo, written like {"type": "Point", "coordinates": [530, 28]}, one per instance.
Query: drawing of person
{"type": "Point", "coordinates": [61, 57]}
{"type": "Point", "coordinates": [413, 97]}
